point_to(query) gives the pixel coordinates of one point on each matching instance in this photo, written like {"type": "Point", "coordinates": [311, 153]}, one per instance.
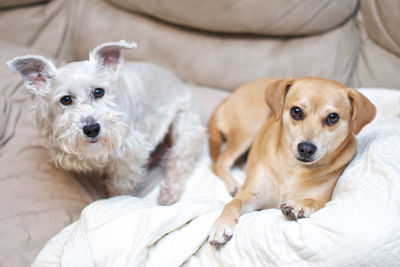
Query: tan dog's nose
{"type": "Point", "coordinates": [306, 151]}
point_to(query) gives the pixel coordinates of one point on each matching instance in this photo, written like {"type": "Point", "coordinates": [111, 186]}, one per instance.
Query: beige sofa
{"type": "Point", "coordinates": [214, 46]}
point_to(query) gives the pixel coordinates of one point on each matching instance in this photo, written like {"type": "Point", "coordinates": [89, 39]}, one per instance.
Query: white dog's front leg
{"type": "Point", "coordinates": [188, 136]}
{"type": "Point", "coordinates": [125, 175]}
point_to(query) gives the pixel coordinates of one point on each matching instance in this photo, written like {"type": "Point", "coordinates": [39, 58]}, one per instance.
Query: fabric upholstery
{"type": "Point", "coordinates": [203, 58]}
{"type": "Point", "coordinates": [276, 18]}
{"type": "Point", "coordinates": [382, 23]}
{"type": "Point", "coordinates": [42, 26]}
{"type": "Point", "coordinates": [17, 3]}
{"type": "Point", "coordinates": [338, 48]}
{"type": "Point", "coordinates": [378, 60]}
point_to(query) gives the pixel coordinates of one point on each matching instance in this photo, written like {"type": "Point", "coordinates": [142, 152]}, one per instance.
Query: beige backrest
{"type": "Point", "coordinates": [224, 43]}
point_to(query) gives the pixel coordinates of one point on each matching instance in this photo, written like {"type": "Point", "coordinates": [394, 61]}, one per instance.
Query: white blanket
{"type": "Point", "coordinates": [359, 227]}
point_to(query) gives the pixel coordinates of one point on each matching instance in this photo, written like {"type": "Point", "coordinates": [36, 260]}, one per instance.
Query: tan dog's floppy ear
{"type": "Point", "coordinates": [275, 95]}
{"type": "Point", "coordinates": [363, 110]}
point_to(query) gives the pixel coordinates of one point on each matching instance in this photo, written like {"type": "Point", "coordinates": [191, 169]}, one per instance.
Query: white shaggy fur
{"type": "Point", "coordinates": [141, 104]}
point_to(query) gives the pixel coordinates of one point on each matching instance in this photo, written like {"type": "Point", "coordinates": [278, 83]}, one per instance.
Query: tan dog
{"type": "Point", "coordinates": [299, 146]}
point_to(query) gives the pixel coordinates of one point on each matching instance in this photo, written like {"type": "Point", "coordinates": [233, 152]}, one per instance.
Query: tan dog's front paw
{"type": "Point", "coordinates": [221, 232]}
{"type": "Point", "coordinates": [296, 210]}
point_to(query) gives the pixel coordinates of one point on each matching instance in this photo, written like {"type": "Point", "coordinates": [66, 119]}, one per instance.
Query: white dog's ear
{"type": "Point", "coordinates": [108, 55]}
{"type": "Point", "coordinates": [36, 71]}
{"type": "Point", "coordinates": [275, 95]}
{"type": "Point", "coordinates": [363, 110]}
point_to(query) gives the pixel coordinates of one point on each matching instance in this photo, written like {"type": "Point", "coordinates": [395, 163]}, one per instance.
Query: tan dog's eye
{"type": "Point", "coordinates": [296, 113]}
{"type": "Point", "coordinates": [98, 93]}
{"type": "Point", "coordinates": [66, 100]}
{"type": "Point", "coordinates": [331, 119]}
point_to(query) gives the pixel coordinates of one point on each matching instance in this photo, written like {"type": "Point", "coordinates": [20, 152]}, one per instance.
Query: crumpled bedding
{"type": "Point", "coordinates": [360, 226]}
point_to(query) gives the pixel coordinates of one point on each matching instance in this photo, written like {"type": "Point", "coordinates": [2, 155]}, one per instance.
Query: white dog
{"type": "Point", "coordinates": [101, 116]}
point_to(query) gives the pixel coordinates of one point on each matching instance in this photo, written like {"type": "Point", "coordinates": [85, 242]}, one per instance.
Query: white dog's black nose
{"type": "Point", "coordinates": [92, 130]}
{"type": "Point", "coordinates": [306, 150]}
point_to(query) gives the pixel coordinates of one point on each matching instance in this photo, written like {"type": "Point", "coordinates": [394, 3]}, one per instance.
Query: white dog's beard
{"type": "Point", "coordinates": [110, 139]}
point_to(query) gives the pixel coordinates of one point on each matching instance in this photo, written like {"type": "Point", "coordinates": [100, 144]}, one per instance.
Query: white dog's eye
{"type": "Point", "coordinates": [296, 113]}
{"type": "Point", "coordinates": [66, 100]}
{"type": "Point", "coordinates": [98, 93]}
{"type": "Point", "coordinates": [332, 119]}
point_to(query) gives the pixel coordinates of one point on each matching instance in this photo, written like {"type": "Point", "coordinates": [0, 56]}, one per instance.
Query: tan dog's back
{"type": "Point", "coordinates": [237, 119]}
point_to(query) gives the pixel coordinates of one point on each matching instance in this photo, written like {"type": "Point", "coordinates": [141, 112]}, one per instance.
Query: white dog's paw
{"type": "Point", "coordinates": [221, 232]}
{"type": "Point", "coordinates": [296, 210]}
{"type": "Point", "coordinates": [169, 194]}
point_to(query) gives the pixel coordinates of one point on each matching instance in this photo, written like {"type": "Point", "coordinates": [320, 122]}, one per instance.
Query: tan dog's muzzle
{"type": "Point", "coordinates": [306, 151]}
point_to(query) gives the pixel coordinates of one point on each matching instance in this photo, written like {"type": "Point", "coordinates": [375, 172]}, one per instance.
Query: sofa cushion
{"type": "Point", "coordinates": [44, 26]}
{"type": "Point", "coordinates": [19, 3]}
{"type": "Point", "coordinates": [273, 17]}
{"type": "Point", "coordinates": [379, 62]}
{"type": "Point", "coordinates": [382, 23]}
{"type": "Point", "coordinates": [215, 60]}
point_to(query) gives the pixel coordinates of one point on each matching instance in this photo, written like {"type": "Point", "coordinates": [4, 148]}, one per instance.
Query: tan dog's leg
{"type": "Point", "coordinates": [234, 148]}
{"type": "Point", "coordinates": [223, 228]}
{"type": "Point", "coordinates": [238, 119]}
{"type": "Point", "coordinates": [215, 137]}
{"type": "Point", "coordinates": [247, 200]}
